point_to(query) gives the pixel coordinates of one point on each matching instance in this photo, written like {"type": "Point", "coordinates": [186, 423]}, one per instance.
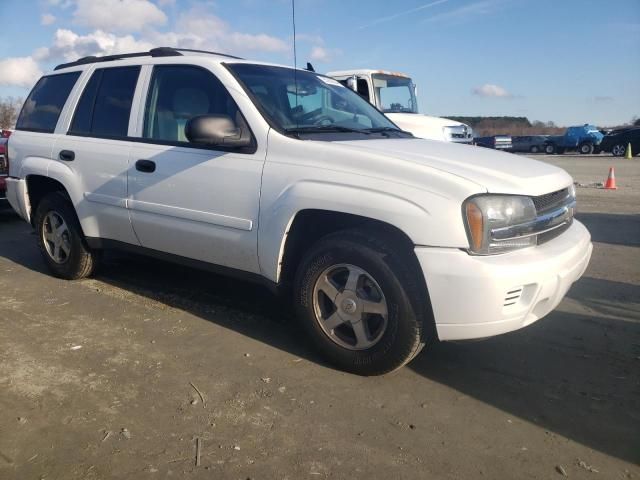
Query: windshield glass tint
{"type": "Point", "coordinates": [307, 101]}
{"type": "Point", "coordinates": [395, 94]}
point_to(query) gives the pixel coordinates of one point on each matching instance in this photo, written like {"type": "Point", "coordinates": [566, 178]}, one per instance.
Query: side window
{"type": "Point", "coordinates": [105, 104]}
{"type": "Point", "coordinates": [363, 88]}
{"type": "Point", "coordinates": [43, 105]}
{"type": "Point", "coordinates": [178, 93]}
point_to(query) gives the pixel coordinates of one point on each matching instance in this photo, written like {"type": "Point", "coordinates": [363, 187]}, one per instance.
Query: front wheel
{"type": "Point", "coordinates": [549, 149]}
{"type": "Point", "coordinates": [534, 149]}
{"type": "Point", "coordinates": [61, 240]}
{"type": "Point", "coordinates": [359, 299]}
{"type": "Point", "coordinates": [619, 150]}
{"type": "Point", "coordinates": [586, 149]}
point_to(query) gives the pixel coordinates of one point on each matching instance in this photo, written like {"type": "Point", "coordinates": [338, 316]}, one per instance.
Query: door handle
{"type": "Point", "coordinates": [146, 166]}
{"type": "Point", "coordinates": [67, 155]}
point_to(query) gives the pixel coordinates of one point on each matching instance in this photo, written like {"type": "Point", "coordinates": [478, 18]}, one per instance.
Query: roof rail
{"type": "Point", "coordinates": [154, 52]}
{"type": "Point", "coordinates": [207, 51]}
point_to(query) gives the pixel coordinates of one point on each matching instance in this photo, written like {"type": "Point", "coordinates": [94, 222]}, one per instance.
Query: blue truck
{"type": "Point", "coordinates": [584, 139]}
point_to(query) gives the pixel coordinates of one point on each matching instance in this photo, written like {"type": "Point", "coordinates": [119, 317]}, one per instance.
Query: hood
{"type": "Point", "coordinates": [424, 126]}
{"type": "Point", "coordinates": [496, 172]}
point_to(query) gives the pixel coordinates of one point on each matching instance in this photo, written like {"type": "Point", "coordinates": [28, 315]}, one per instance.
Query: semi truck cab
{"type": "Point", "coordinates": [395, 94]}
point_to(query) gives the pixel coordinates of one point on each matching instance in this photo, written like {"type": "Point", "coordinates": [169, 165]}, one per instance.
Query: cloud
{"type": "Point", "coordinates": [118, 15]}
{"type": "Point", "coordinates": [196, 28]}
{"type": "Point", "coordinates": [322, 54]}
{"type": "Point", "coordinates": [70, 46]}
{"type": "Point", "coordinates": [388, 18]}
{"type": "Point", "coordinates": [47, 19]}
{"type": "Point", "coordinates": [603, 99]}
{"type": "Point", "coordinates": [19, 72]}
{"type": "Point", "coordinates": [490, 90]}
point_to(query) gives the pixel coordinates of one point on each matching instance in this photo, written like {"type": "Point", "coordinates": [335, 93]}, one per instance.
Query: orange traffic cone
{"type": "Point", "coordinates": [610, 184]}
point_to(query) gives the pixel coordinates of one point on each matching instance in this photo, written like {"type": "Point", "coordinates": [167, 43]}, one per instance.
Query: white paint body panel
{"type": "Point", "coordinates": [235, 210]}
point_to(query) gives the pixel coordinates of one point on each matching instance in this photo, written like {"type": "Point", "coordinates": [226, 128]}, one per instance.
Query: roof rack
{"type": "Point", "coordinates": [207, 51]}
{"type": "Point", "coordinates": [154, 52]}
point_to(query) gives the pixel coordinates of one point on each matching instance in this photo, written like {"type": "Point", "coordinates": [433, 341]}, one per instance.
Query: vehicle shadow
{"type": "Point", "coordinates": [612, 228]}
{"type": "Point", "coordinates": [245, 307]}
{"type": "Point", "coordinates": [570, 373]}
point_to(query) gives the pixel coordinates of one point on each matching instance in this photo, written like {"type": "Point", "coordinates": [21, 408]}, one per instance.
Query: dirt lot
{"type": "Point", "coordinates": [98, 378]}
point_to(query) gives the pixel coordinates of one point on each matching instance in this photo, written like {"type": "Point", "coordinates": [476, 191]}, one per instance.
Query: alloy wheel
{"type": "Point", "coordinates": [56, 237]}
{"type": "Point", "coordinates": [350, 307]}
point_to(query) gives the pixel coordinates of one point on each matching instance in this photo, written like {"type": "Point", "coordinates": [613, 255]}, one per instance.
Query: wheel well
{"type": "Point", "coordinates": [309, 226]}
{"type": "Point", "coordinates": [38, 186]}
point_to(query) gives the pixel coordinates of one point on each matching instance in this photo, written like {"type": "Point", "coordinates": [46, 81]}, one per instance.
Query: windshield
{"type": "Point", "coordinates": [302, 101]}
{"type": "Point", "coordinates": [395, 94]}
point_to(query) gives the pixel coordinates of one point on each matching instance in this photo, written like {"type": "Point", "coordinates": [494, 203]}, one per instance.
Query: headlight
{"type": "Point", "coordinates": [486, 213]}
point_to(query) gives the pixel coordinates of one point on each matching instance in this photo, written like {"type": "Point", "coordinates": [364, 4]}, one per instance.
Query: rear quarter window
{"type": "Point", "coordinates": [42, 108]}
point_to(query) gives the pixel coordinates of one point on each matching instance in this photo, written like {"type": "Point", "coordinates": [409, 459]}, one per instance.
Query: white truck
{"type": "Point", "coordinates": [395, 95]}
{"type": "Point", "coordinates": [383, 242]}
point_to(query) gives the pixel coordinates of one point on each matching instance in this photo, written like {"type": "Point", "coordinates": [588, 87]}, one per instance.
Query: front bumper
{"type": "Point", "coordinates": [483, 296]}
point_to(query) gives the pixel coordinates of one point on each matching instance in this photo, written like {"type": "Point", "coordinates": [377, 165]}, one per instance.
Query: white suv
{"type": "Point", "coordinates": [384, 241]}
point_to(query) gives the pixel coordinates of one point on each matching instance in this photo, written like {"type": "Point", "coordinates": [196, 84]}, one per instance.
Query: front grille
{"type": "Point", "coordinates": [4, 170]}
{"type": "Point", "coordinates": [545, 237]}
{"type": "Point", "coordinates": [550, 200]}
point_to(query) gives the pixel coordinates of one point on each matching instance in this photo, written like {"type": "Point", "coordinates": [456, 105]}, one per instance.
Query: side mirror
{"type": "Point", "coordinates": [352, 83]}
{"type": "Point", "coordinates": [216, 130]}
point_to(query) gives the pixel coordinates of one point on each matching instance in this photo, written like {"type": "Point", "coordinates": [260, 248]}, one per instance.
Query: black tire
{"type": "Point", "coordinates": [550, 149]}
{"type": "Point", "coordinates": [534, 149]}
{"type": "Point", "coordinates": [80, 261]}
{"type": "Point", "coordinates": [397, 275]}
{"type": "Point", "coordinates": [619, 150]}
{"type": "Point", "coordinates": [586, 149]}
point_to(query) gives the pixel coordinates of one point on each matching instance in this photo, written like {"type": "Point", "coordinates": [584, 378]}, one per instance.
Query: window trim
{"type": "Point", "coordinates": [100, 71]}
{"type": "Point", "coordinates": [249, 150]}
{"type": "Point", "coordinates": [69, 95]}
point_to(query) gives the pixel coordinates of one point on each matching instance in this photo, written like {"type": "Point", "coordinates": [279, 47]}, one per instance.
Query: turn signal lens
{"type": "Point", "coordinates": [476, 225]}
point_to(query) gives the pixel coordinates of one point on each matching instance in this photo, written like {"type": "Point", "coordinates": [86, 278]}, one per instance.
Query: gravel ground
{"type": "Point", "coordinates": [122, 375]}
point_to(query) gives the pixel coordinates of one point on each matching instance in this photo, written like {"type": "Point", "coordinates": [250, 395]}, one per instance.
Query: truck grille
{"type": "Point", "coordinates": [550, 200]}
{"type": "Point", "coordinates": [547, 236]}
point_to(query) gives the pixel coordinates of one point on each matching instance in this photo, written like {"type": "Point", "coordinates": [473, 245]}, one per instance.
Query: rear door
{"type": "Point", "coordinates": [192, 200]}
{"type": "Point", "coordinates": [96, 149]}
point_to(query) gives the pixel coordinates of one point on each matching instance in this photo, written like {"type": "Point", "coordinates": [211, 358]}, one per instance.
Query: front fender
{"type": "Point", "coordinates": [416, 221]}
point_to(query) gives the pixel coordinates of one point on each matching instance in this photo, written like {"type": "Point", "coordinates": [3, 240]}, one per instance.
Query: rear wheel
{"type": "Point", "coordinates": [534, 149]}
{"type": "Point", "coordinates": [360, 301]}
{"type": "Point", "coordinates": [586, 148]}
{"type": "Point", "coordinates": [619, 150]}
{"type": "Point", "coordinates": [61, 240]}
{"type": "Point", "coordinates": [549, 149]}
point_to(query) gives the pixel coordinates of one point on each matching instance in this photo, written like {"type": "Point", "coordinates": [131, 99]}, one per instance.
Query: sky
{"type": "Point", "coordinates": [566, 61]}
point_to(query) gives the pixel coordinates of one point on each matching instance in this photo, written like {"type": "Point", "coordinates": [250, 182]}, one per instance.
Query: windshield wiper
{"type": "Point", "coordinates": [327, 128]}
{"type": "Point", "coordinates": [385, 129]}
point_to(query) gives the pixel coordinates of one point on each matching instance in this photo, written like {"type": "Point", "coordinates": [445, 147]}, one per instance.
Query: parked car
{"type": "Point", "coordinates": [4, 169]}
{"type": "Point", "coordinates": [497, 142]}
{"type": "Point", "coordinates": [382, 241]}
{"type": "Point", "coordinates": [584, 139]}
{"type": "Point", "coordinates": [528, 143]}
{"type": "Point", "coordinates": [617, 142]}
{"type": "Point", "coordinates": [395, 95]}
